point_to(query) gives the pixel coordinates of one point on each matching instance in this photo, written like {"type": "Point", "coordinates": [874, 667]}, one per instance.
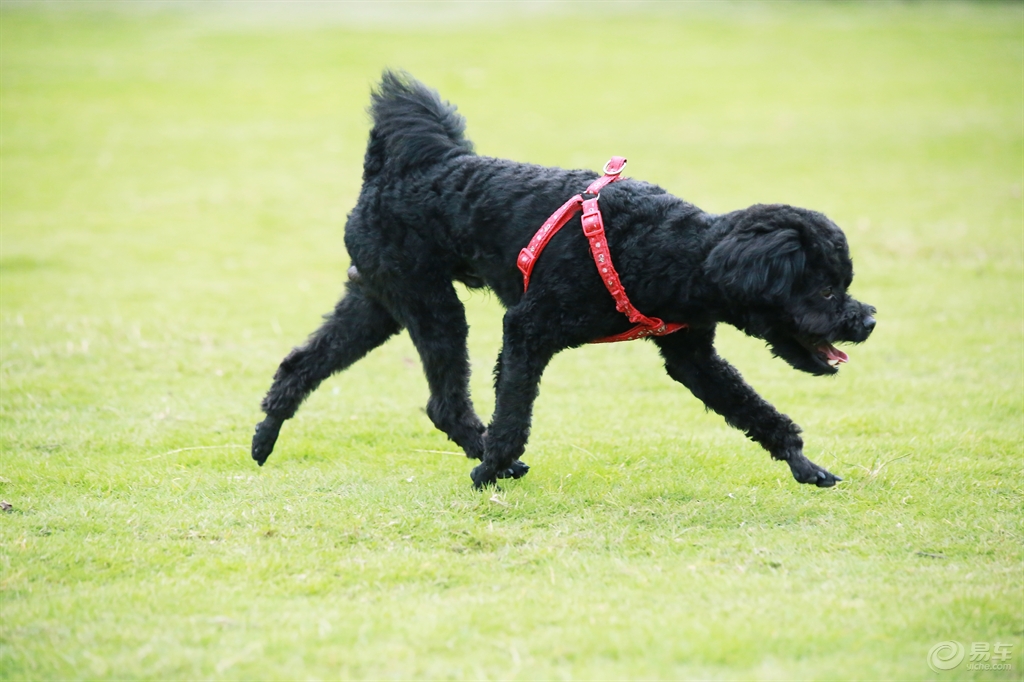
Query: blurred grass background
{"type": "Point", "coordinates": [174, 180]}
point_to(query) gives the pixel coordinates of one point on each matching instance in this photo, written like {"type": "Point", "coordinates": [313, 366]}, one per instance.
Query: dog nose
{"type": "Point", "coordinates": [869, 323]}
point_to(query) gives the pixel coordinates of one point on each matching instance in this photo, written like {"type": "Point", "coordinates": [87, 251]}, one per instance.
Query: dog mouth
{"type": "Point", "coordinates": [808, 353]}
{"type": "Point", "coordinates": [825, 353]}
{"type": "Point", "coordinates": [833, 356]}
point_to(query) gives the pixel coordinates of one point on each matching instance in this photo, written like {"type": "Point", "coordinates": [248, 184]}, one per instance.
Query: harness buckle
{"type": "Point", "coordinates": [592, 225]}
{"type": "Point", "coordinates": [526, 258]}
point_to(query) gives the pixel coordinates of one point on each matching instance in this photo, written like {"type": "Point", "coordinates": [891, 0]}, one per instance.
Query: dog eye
{"type": "Point", "coordinates": [826, 292]}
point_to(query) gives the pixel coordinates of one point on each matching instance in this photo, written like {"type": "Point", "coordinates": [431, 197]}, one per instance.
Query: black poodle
{"type": "Point", "coordinates": [431, 212]}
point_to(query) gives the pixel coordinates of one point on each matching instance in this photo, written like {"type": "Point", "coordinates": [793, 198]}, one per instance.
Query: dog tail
{"type": "Point", "coordinates": [412, 126]}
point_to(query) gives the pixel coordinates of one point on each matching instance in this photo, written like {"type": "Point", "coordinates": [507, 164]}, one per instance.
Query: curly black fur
{"type": "Point", "coordinates": [431, 212]}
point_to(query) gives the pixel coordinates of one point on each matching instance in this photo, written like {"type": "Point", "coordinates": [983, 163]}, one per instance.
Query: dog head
{"type": "Point", "coordinates": [784, 275]}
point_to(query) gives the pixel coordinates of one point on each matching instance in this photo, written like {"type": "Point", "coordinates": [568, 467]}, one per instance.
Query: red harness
{"type": "Point", "coordinates": [593, 229]}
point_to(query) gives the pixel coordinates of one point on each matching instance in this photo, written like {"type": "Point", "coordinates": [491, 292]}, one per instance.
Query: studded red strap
{"type": "Point", "coordinates": [593, 229]}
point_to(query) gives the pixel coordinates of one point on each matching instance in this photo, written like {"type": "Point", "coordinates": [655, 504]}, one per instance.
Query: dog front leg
{"type": "Point", "coordinates": [521, 363]}
{"type": "Point", "coordinates": [357, 326]}
{"type": "Point", "coordinates": [690, 359]}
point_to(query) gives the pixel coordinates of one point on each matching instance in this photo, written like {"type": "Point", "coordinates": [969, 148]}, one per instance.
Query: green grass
{"type": "Point", "coordinates": [173, 186]}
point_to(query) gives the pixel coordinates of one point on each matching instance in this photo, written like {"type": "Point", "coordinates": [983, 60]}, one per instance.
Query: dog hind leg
{"type": "Point", "coordinates": [357, 326]}
{"type": "Point", "coordinates": [436, 320]}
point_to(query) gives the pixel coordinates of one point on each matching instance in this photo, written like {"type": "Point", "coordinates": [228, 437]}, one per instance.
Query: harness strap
{"type": "Point", "coordinates": [593, 229]}
{"type": "Point", "coordinates": [557, 220]}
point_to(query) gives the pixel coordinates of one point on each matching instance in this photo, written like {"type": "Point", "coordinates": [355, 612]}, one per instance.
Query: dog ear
{"type": "Point", "coordinates": [757, 262]}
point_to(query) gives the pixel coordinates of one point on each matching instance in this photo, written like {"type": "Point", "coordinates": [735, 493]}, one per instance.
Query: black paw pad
{"type": "Point", "coordinates": [517, 470]}
{"type": "Point", "coordinates": [806, 471]}
{"type": "Point", "coordinates": [264, 439]}
{"type": "Point", "coordinates": [483, 475]}
{"type": "Point", "coordinates": [826, 479]}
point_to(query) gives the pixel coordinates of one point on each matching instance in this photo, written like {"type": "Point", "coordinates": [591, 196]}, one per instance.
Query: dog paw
{"type": "Point", "coordinates": [806, 471]}
{"type": "Point", "coordinates": [517, 470]}
{"type": "Point", "coordinates": [483, 475]}
{"type": "Point", "coordinates": [264, 439]}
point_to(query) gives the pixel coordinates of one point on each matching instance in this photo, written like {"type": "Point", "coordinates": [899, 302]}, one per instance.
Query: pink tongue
{"type": "Point", "coordinates": [833, 353]}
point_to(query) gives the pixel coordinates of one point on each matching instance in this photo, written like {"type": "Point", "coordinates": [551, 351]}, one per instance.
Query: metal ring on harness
{"type": "Point", "coordinates": [613, 172]}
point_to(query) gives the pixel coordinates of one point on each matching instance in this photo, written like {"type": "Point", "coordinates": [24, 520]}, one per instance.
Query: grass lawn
{"type": "Point", "coordinates": [174, 180]}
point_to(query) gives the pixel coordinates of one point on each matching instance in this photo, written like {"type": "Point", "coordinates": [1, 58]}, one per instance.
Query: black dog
{"type": "Point", "coordinates": [431, 211]}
